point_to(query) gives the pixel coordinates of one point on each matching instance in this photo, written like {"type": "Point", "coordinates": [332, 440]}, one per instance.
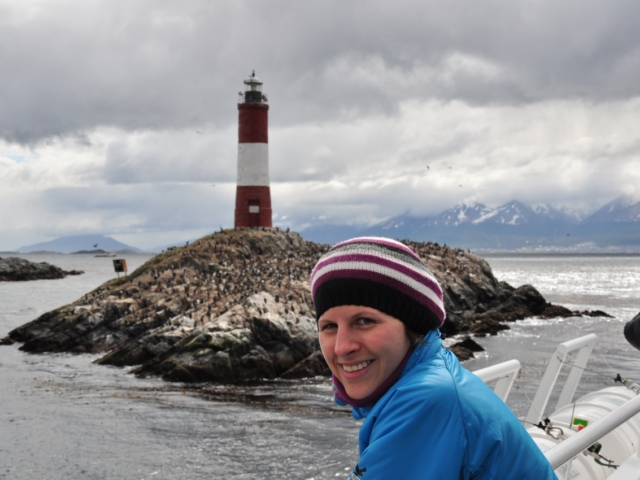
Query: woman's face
{"type": "Point", "coordinates": [362, 346]}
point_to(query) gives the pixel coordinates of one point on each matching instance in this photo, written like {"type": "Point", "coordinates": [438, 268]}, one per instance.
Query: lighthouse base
{"type": "Point", "coordinates": [253, 207]}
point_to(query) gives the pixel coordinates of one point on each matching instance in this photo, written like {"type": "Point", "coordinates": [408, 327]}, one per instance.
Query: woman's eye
{"type": "Point", "coordinates": [364, 321]}
{"type": "Point", "coordinates": [327, 326]}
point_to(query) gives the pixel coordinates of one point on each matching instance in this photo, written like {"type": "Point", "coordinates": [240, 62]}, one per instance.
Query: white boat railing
{"type": "Point", "coordinates": [505, 373]}
{"type": "Point", "coordinates": [584, 345]}
{"type": "Point", "coordinates": [569, 448]}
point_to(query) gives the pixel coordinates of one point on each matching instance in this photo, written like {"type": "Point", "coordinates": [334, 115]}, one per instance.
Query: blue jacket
{"type": "Point", "coordinates": [440, 421]}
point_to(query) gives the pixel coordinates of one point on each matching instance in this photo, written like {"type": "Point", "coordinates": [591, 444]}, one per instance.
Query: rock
{"type": "Point", "coordinates": [592, 313]}
{"type": "Point", "coordinates": [256, 339]}
{"type": "Point", "coordinates": [465, 348]}
{"type": "Point", "coordinates": [554, 311]}
{"type": "Point", "coordinates": [235, 306]}
{"type": "Point", "coordinates": [470, 344]}
{"type": "Point", "coordinates": [311, 366]}
{"type": "Point", "coordinates": [461, 352]}
{"type": "Point", "coordinates": [487, 326]}
{"type": "Point", "coordinates": [528, 297]}
{"type": "Point", "coordinates": [15, 269]}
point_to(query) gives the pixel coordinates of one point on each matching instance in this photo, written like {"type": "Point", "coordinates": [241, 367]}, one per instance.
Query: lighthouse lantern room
{"type": "Point", "coordinates": [253, 89]}
{"type": "Point", "coordinates": [253, 196]}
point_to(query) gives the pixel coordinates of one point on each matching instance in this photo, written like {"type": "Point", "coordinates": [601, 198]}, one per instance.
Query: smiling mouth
{"type": "Point", "coordinates": [355, 368]}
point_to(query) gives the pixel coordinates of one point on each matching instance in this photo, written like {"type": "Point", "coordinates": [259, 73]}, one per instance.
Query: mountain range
{"type": "Point", "coordinates": [512, 226]}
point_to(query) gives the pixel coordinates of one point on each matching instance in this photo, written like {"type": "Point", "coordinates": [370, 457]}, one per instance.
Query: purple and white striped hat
{"type": "Point", "coordinates": [380, 273]}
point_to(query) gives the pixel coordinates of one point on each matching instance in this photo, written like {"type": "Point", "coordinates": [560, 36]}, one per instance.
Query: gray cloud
{"type": "Point", "coordinates": [143, 213]}
{"type": "Point", "coordinates": [101, 104]}
{"type": "Point", "coordinates": [170, 156]}
{"type": "Point", "coordinates": [72, 66]}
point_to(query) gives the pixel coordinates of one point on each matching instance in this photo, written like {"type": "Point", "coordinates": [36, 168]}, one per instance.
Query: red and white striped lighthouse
{"type": "Point", "coordinates": [253, 196]}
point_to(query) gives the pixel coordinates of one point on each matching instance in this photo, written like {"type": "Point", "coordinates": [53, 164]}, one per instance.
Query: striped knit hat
{"type": "Point", "coordinates": [379, 273]}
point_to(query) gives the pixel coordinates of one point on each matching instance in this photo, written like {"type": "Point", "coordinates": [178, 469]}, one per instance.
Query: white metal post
{"type": "Point", "coordinates": [573, 379]}
{"type": "Point", "coordinates": [504, 372]}
{"type": "Point", "coordinates": [536, 411]}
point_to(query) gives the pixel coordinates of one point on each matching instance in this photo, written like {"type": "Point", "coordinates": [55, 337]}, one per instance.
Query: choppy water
{"type": "Point", "coordinates": [608, 283]}
{"type": "Point", "coordinates": [63, 417]}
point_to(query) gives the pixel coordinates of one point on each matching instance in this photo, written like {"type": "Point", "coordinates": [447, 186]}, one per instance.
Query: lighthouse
{"type": "Point", "coordinates": [253, 196]}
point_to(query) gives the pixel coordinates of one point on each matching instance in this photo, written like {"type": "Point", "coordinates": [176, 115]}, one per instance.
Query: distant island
{"type": "Point", "coordinates": [14, 269]}
{"type": "Point", "coordinates": [98, 252]}
{"type": "Point", "coordinates": [81, 244]}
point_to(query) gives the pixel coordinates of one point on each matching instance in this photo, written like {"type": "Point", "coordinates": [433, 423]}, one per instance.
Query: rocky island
{"type": "Point", "coordinates": [15, 269]}
{"type": "Point", "coordinates": [236, 306]}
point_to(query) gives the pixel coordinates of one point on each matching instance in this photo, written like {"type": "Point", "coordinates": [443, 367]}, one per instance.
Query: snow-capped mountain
{"type": "Point", "coordinates": [512, 213]}
{"type": "Point", "coordinates": [462, 214]}
{"type": "Point", "coordinates": [510, 226]}
{"type": "Point", "coordinates": [552, 213]}
{"type": "Point", "coordinates": [622, 209]}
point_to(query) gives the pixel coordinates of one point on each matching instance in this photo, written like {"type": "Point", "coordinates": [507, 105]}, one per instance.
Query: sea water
{"type": "Point", "coordinates": [63, 417]}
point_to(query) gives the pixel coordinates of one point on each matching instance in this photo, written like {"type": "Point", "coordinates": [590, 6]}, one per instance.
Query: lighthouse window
{"type": "Point", "coordinates": [254, 208]}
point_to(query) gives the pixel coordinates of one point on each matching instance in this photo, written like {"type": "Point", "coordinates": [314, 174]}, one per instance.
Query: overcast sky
{"type": "Point", "coordinates": [120, 117]}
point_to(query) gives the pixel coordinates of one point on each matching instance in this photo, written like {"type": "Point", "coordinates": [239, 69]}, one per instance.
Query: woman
{"type": "Point", "coordinates": [379, 309]}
